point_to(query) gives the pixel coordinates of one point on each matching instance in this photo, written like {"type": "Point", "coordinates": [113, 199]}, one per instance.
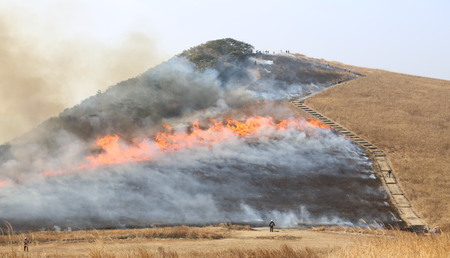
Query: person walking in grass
{"type": "Point", "coordinates": [271, 225]}
{"type": "Point", "coordinates": [26, 242]}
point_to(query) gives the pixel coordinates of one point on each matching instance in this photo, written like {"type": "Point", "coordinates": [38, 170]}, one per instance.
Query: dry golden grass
{"type": "Point", "coordinates": [178, 232]}
{"type": "Point", "coordinates": [409, 118]}
{"type": "Point", "coordinates": [354, 230]}
{"type": "Point", "coordinates": [281, 243]}
{"type": "Point", "coordinates": [257, 242]}
{"type": "Point", "coordinates": [234, 226]}
{"type": "Point", "coordinates": [393, 244]}
{"type": "Point", "coordinates": [399, 244]}
{"type": "Point", "coordinates": [282, 251]}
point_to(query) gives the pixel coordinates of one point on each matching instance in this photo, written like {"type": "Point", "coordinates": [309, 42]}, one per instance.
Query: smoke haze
{"type": "Point", "coordinates": [46, 67]}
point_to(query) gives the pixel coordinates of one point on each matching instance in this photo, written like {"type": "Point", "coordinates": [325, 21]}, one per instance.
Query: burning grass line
{"type": "Point", "coordinates": [114, 151]}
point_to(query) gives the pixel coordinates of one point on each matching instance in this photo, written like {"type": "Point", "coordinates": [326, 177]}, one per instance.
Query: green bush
{"type": "Point", "coordinates": [228, 50]}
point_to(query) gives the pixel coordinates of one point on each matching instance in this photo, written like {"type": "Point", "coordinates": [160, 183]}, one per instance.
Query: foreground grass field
{"type": "Point", "coordinates": [226, 241]}
{"type": "Point", "coordinates": [409, 118]}
{"type": "Point", "coordinates": [172, 242]}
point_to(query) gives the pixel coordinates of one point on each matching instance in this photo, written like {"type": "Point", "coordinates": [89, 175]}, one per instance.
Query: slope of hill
{"type": "Point", "coordinates": [409, 118]}
{"type": "Point", "coordinates": [184, 143]}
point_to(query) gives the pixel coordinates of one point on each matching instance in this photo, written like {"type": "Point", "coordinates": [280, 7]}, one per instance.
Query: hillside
{"type": "Point", "coordinates": [409, 118]}
{"type": "Point", "coordinates": [287, 169]}
{"type": "Point", "coordinates": [184, 142]}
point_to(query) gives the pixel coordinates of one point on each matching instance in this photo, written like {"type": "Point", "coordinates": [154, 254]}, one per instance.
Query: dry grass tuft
{"type": "Point", "coordinates": [234, 226]}
{"type": "Point", "coordinates": [400, 244]}
{"type": "Point", "coordinates": [283, 251]}
{"type": "Point", "coordinates": [353, 230]}
{"type": "Point", "coordinates": [138, 253]}
{"type": "Point", "coordinates": [285, 237]}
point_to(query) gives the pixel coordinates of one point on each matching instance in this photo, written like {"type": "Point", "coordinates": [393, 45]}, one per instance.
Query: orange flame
{"type": "Point", "coordinates": [170, 141]}
{"type": "Point", "coordinates": [316, 122]}
{"type": "Point", "coordinates": [116, 151]}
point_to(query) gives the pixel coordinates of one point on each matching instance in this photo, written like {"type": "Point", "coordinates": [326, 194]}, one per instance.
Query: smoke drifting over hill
{"type": "Point", "coordinates": [189, 147]}
{"type": "Point", "coordinates": [43, 70]}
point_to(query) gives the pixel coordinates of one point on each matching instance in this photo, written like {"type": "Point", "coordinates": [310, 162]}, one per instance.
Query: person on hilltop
{"type": "Point", "coordinates": [26, 242]}
{"type": "Point", "coordinates": [271, 225]}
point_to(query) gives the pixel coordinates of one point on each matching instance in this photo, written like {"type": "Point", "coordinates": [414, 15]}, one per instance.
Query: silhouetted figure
{"type": "Point", "coordinates": [25, 244]}
{"type": "Point", "coordinates": [389, 173]}
{"type": "Point", "coordinates": [271, 225]}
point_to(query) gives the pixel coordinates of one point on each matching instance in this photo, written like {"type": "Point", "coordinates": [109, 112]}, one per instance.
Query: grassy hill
{"type": "Point", "coordinates": [409, 118]}
{"type": "Point", "coordinates": [50, 165]}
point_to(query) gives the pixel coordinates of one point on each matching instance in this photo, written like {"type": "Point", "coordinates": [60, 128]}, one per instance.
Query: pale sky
{"type": "Point", "coordinates": [55, 53]}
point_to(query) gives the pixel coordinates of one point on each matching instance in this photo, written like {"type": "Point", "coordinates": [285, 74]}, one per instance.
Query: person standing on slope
{"type": "Point", "coordinates": [25, 244]}
{"type": "Point", "coordinates": [271, 225]}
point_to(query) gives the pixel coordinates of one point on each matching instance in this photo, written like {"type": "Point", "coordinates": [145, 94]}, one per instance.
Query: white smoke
{"type": "Point", "coordinates": [272, 176]}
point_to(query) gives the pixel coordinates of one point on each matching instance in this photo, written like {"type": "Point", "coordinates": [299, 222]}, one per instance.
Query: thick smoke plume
{"type": "Point", "coordinates": [295, 175]}
{"type": "Point", "coordinates": [43, 70]}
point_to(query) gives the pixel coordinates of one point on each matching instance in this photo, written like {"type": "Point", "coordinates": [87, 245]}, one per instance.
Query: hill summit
{"type": "Point", "coordinates": [228, 50]}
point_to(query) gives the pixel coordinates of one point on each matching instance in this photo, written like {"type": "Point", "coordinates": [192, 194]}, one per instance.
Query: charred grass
{"type": "Point", "coordinates": [409, 118]}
